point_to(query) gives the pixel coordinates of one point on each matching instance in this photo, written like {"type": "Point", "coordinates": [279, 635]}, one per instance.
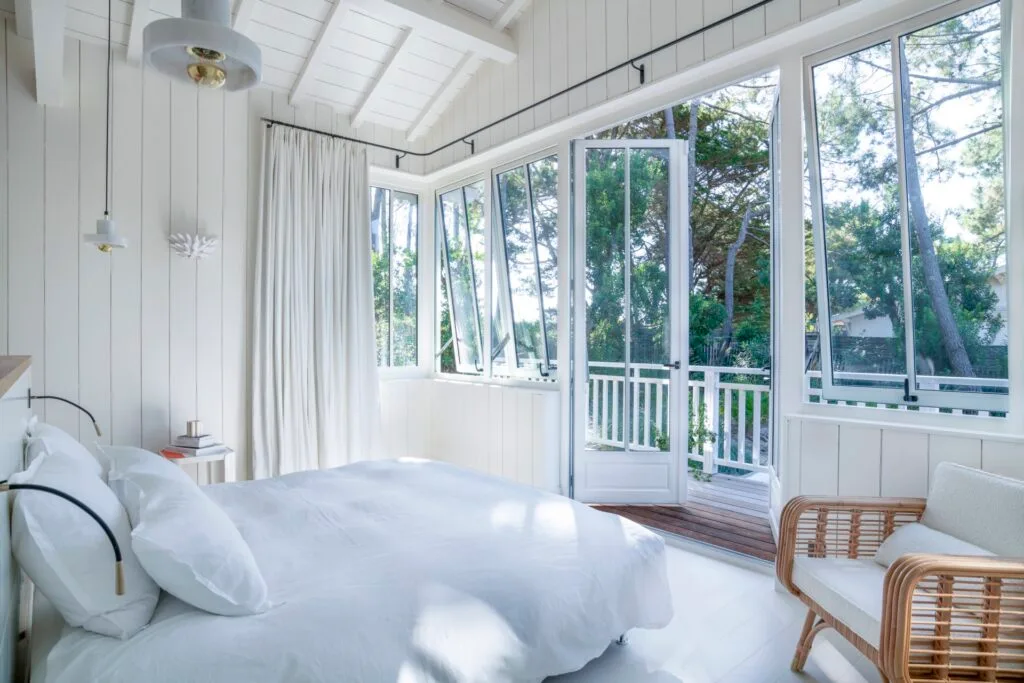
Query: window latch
{"type": "Point", "coordinates": [675, 365]}
{"type": "Point", "coordinates": [907, 396]}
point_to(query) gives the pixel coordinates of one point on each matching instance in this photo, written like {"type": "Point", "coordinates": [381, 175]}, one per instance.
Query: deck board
{"type": "Point", "coordinates": [727, 512]}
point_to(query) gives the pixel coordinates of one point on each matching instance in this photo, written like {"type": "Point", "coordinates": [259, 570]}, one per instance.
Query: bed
{"type": "Point", "coordinates": [397, 571]}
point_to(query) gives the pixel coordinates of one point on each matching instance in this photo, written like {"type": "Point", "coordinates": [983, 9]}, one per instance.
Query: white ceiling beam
{"type": "Point", "coordinates": [444, 24]}
{"type": "Point", "coordinates": [316, 55]}
{"type": "Point", "coordinates": [140, 17]}
{"type": "Point", "coordinates": [23, 18]}
{"type": "Point", "coordinates": [390, 66]}
{"type": "Point", "coordinates": [509, 12]}
{"type": "Point", "coordinates": [243, 15]}
{"type": "Point", "coordinates": [48, 50]}
{"type": "Point", "coordinates": [443, 97]}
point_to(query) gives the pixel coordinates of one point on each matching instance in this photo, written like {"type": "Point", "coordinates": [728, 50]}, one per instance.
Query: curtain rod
{"type": "Point", "coordinates": [631, 62]}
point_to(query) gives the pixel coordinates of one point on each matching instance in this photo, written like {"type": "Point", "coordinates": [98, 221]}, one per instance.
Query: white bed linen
{"type": "Point", "coordinates": [400, 571]}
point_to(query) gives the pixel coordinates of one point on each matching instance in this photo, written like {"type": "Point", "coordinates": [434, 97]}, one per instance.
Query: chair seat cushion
{"type": "Point", "coordinates": [849, 590]}
{"type": "Point", "coordinates": [918, 538]}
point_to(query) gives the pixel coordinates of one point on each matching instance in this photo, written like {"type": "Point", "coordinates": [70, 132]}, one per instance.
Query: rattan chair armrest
{"type": "Point", "coordinates": [843, 527]}
{"type": "Point", "coordinates": [951, 615]}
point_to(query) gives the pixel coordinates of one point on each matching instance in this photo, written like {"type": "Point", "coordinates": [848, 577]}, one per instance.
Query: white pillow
{"type": "Point", "coordinates": [979, 507]}
{"type": "Point", "coordinates": [68, 556]}
{"type": "Point", "coordinates": [918, 538]}
{"type": "Point", "coordinates": [44, 438]}
{"type": "Point", "coordinates": [185, 541]}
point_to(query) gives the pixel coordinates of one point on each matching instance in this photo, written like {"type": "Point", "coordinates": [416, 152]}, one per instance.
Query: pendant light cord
{"type": "Point", "coordinates": [110, 53]}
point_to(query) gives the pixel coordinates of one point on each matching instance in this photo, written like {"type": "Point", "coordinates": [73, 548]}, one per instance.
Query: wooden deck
{"type": "Point", "coordinates": [727, 512]}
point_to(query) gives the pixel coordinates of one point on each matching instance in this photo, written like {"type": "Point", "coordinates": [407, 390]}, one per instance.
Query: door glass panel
{"type": "Point", "coordinates": [605, 281]}
{"type": "Point", "coordinates": [650, 331]}
{"type": "Point", "coordinates": [513, 197]}
{"type": "Point", "coordinates": [461, 281]}
{"type": "Point", "coordinates": [544, 185]}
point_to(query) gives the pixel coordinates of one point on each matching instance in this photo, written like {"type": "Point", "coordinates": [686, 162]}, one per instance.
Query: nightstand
{"type": "Point", "coordinates": [226, 457]}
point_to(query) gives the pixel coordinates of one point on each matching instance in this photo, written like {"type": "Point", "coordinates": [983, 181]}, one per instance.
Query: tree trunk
{"type": "Point", "coordinates": [691, 180]}
{"type": "Point", "coordinates": [375, 217]}
{"type": "Point", "coordinates": [670, 123]}
{"type": "Point", "coordinates": [952, 341]}
{"type": "Point", "coordinates": [730, 278]}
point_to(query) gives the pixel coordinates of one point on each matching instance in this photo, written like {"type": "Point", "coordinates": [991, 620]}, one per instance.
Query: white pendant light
{"type": "Point", "coordinates": [106, 238]}
{"type": "Point", "coordinates": [202, 48]}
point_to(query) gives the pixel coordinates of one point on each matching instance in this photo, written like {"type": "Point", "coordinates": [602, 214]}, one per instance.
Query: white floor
{"type": "Point", "coordinates": [730, 626]}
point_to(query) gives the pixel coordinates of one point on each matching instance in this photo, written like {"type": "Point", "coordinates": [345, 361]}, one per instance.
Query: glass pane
{"type": "Point", "coordinates": [650, 332]}
{"type": "Point", "coordinates": [381, 256]}
{"type": "Point", "coordinates": [477, 242]}
{"type": "Point", "coordinates": [853, 97]}
{"type": "Point", "coordinates": [461, 281]}
{"type": "Point", "coordinates": [404, 231]}
{"type": "Point", "coordinates": [501, 339]}
{"type": "Point", "coordinates": [953, 133]}
{"type": "Point", "coordinates": [544, 184]}
{"type": "Point", "coordinates": [605, 296]}
{"type": "Point", "coordinates": [521, 264]}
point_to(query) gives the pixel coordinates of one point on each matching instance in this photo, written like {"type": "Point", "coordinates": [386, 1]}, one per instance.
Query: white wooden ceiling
{"type": "Point", "coordinates": [398, 63]}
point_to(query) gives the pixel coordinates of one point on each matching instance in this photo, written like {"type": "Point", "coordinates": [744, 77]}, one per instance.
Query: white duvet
{"type": "Point", "coordinates": [400, 572]}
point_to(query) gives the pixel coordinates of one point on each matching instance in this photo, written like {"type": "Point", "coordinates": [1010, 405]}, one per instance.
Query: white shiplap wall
{"type": "Point", "coordinates": [562, 42]}
{"type": "Point", "coordinates": [829, 457]}
{"type": "Point", "coordinates": [144, 339]}
{"type": "Point", "coordinates": [510, 432]}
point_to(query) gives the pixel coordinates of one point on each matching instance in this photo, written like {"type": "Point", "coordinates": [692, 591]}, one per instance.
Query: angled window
{"type": "Point", "coordinates": [394, 229]}
{"type": "Point", "coordinates": [461, 227]}
{"type": "Point", "coordinates": [527, 197]}
{"type": "Point", "coordinates": [905, 143]}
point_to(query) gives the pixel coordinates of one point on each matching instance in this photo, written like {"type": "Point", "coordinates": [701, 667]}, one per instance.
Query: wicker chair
{"type": "Point", "coordinates": [950, 604]}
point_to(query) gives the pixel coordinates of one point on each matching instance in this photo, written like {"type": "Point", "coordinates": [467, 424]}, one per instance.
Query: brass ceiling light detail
{"type": "Point", "coordinates": [207, 75]}
{"type": "Point", "coordinates": [202, 48]}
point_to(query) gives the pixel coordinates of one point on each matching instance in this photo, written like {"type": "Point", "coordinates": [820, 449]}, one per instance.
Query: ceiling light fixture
{"type": "Point", "coordinates": [201, 47]}
{"type": "Point", "coordinates": [106, 238]}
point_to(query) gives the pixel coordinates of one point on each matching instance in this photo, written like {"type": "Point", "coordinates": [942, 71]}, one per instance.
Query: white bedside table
{"type": "Point", "coordinates": [227, 458]}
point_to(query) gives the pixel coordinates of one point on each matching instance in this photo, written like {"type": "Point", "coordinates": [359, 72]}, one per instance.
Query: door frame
{"type": "Point", "coordinates": [614, 463]}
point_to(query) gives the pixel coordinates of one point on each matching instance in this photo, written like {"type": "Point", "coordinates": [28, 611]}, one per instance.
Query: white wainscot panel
{"type": "Point", "coordinates": [510, 432]}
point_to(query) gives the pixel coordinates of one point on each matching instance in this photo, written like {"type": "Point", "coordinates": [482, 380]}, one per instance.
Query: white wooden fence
{"type": "Point", "coordinates": [729, 420]}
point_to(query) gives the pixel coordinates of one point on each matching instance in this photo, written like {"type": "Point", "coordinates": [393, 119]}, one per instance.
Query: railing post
{"type": "Point", "coordinates": [711, 420]}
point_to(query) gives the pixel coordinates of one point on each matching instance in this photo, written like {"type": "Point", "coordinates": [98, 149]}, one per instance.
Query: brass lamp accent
{"type": "Point", "coordinates": [118, 560]}
{"type": "Point", "coordinates": [207, 75]}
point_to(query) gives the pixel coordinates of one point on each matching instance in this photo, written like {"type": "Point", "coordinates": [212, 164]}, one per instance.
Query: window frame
{"type": "Point", "coordinates": [543, 370]}
{"type": "Point", "coordinates": [481, 324]}
{"type": "Point", "coordinates": [390, 191]}
{"type": "Point", "coordinates": [924, 398]}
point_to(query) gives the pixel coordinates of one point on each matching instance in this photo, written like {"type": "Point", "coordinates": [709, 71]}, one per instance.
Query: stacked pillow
{"type": "Point", "coordinates": [171, 536]}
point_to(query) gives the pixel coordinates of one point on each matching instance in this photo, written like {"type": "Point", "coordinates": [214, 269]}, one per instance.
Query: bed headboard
{"type": "Point", "coordinates": [15, 381]}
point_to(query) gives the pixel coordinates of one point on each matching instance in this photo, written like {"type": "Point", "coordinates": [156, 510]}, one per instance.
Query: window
{"type": "Point", "coordinates": [393, 233]}
{"type": "Point", "coordinates": [528, 212]}
{"type": "Point", "coordinates": [520, 321]}
{"type": "Point", "coordinates": [905, 134]}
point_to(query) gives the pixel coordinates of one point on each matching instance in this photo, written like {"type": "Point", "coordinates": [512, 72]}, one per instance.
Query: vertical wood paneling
{"type": "Point", "coordinates": [559, 62]}
{"type": "Point", "coordinates": [946, 448]}
{"type": "Point", "coordinates": [495, 422]}
{"type": "Point", "coordinates": [860, 460]}
{"type": "Point", "coordinates": [209, 271]}
{"type": "Point", "coordinates": [717, 41]}
{"type": "Point", "coordinates": [541, 60]}
{"type": "Point", "coordinates": [1003, 457]}
{"type": "Point", "coordinates": [639, 23]}
{"type": "Point", "coordinates": [781, 14]}
{"type": "Point", "coordinates": [576, 40]}
{"type": "Point", "coordinates": [819, 469]}
{"type": "Point", "coordinates": [689, 18]}
{"type": "Point", "coordinates": [904, 463]}
{"type": "Point", "coordinates": [598, 44]}
{"type": "Point", "coordinates": [524, 70]}
{"type": "Point", "coordinates": [616, 45]}
{"type": "Point", "coordinates": [235, 246]}
{"type": "Point", "coordinates": [8, 27]}
{"type": "Point", "coordinates": [126, 265]}
{"type": "Point", "coordinates": [62, 244]}
{"type": "Point", "coordinates": [155, 335]}
{"type": "Point", "coordinates": [750, 26]}
{"type": "Point", "coordinates": [524, 441]}
{"type": "Point", "coordinates": [26, 208]}
{"type": "Point", "coordinates": [663, 29]}
{"type": "Point", "coordinates": [812, 8]}
{"type": "Point", "coordinates": [94, 271]}
{"type": "Point", "coordinates": [184, 193]}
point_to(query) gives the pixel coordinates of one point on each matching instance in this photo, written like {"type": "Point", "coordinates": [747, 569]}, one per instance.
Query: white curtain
{"type": "Point", "coordinates": [315, 391]}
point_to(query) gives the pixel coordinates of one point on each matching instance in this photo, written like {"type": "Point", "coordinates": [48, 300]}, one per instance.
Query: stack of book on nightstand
{"type": "Point", "coordinates": [185, 446]}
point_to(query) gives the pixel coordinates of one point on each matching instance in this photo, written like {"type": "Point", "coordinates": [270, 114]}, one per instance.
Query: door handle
{"type": "Point", "coordinates": [673, 366]}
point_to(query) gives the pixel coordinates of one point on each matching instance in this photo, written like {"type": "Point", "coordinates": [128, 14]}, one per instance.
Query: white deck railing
{"type": "Point", "coordinates": [729, 420]}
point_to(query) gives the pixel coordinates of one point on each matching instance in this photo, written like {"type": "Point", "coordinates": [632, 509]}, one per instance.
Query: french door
{"type": "Point", "coordinates": [630, 329]}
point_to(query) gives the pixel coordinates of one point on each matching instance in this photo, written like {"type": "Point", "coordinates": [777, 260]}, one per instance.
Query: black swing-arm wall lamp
{"type": "Point", "coordinates": [33, 397]}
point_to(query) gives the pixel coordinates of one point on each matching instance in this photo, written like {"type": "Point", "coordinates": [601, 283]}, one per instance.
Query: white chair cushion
{"type": "Point", "coordinates": [849, 590]}
{"type": "Point", "coordinates": [978, 507]}
{"type": "Point", "coordinates": [44, 438]}
{"type": "Point", "coordinates": [185, 541]}
{"type": "Point", "coordinates": [918, 538]}
{"type": "Point", "coordinates": [68, 556]}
